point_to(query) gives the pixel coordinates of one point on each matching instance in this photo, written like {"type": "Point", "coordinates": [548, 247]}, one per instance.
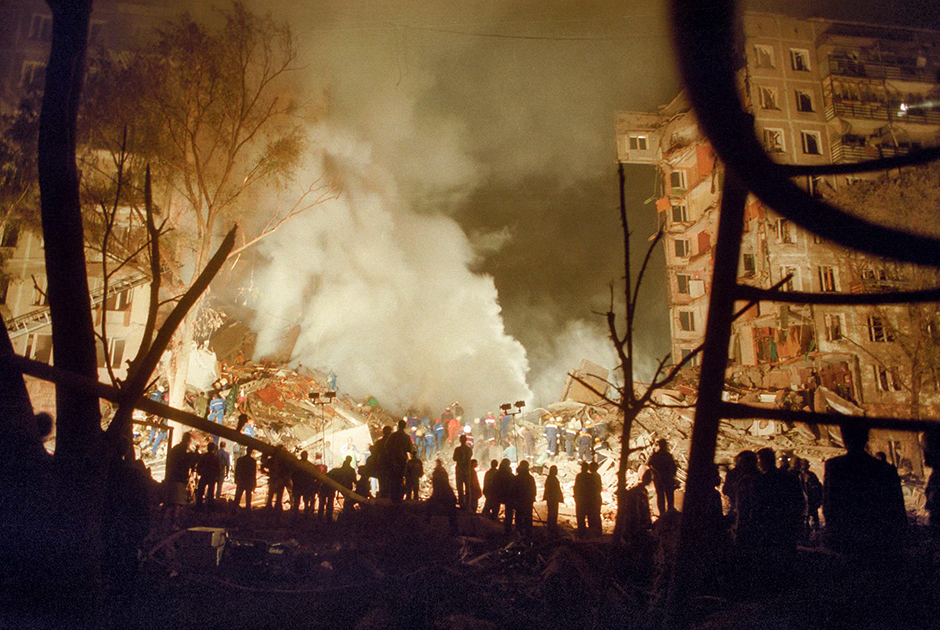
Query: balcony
{"type": "Point", "coordinates": [873, 69]}
{"type": "Point", "coordinates": [876, 110]}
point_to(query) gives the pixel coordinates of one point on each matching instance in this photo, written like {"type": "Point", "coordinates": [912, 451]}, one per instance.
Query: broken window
{"type": "Point", "coordinates": [886, 379]}
{"type": "Point", "coordinates": [682, 247]}
{"type": "Point", "coordinates": [677, 179]}
{"type": "Point", "coordinates": [827, 279]}
{"type": "Point", "coordinates": [4, 288]}
{"type": "Point", "coordinates": [768, 97]}
{"type": "Point", "coordinates": [680, 213]}
{"type": "Point", "coordinates": [33, 74]}
{"type": "Point", "coordinates": [687, 321]}
{"type": "Point", "coordinates": [750, 264]}
{"type": "Point", "coordinates": [835, 324]}
{"type": "Point", "coordinates": [39, 347]}
{"type": "Point", "coordinates": [793, 283]}
{"type": "Point", "coordinates": [812, 142]}
{"type": "Point", "coordinates": [638, 143]}
{"type": "Point", "coordinates": [878, 331]}
{"type": "Point", "coordinates": [40, 27]}
{"type": "Point", "coordinates": [785, 231]}
{"type": "Point", "coordinates": [764, 56]}
{"type": "Point", "coordinates": [804, 101]}
{"type": "Point", "coordinates": [773, 140]}
{"type": "Point", "coordinates": [11, 235]}
{"type": "Point", "coordinates": [799, 59]}
{"type": "Point", "coordinates": [119, 301]}
{"type": "Point", "coordinates": [682, 283]}
{"type": "Point", "coordinates": [115, 349]}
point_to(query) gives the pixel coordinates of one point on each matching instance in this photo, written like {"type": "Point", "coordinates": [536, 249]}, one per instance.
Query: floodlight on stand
{"type": "Point", "coordinates": [330, 395]}
{"type": "Point", "coordinates": [520, 404]}
{"type": "Point", "coordinates": [506, 407]}
{"type": "Point", "coordinates": [314, 395]}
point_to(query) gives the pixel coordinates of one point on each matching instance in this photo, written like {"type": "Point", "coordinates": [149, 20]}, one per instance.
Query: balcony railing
{"type": "Point", "coordinates": [869, 69]}
{"type": "Point", "coordinates": [849, 153]}
{"type": "Point", "coordinates": [880, 111]}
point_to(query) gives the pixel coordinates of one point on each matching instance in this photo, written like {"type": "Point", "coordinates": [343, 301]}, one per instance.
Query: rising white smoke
{"type": "Point", "coordinates": [385, 296]}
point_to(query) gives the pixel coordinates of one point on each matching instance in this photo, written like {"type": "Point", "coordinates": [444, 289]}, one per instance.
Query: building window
{"type": "Point", "coordinates": [878, 330]}
{"type": "Point", "coordinates": [638, 143]}
{"type": "Point", "coordinates": [4, 288]}
{"type": "Point", "coordinates": [11, 235]}
{"type": "Point", "coordinates": [750, 264]}
{"type": "Point", "coordinates": [886, 379]}
{"type": "Point", "coordinates": [40, 27]}
{"type": "Point", "coordinates": [682, 283]}
{"type": "Point", "coordinates": [817, 239]}
{"type": "Point", "coordinates": [115, 350]}
{"type": "Point", "coordinates": [680, 213]}
{"type": "Point", "coordinates": [682, 248]}
{"type": "Point", "coordinates": [94, 31]}
{"type": "Point", "coordinates": [40, 298]}
{"type": "Point", "coordinates": [33, 74]}
{"type": "Point", "coordinates": [799, 59]}
{"type": "Point", "coordinates": [764, 56]}
{"type": "Point", "coordinates": [39, 347]}
{"type": "Point", "coordinates": [804, 101]}
{"type": "Point", "coordinates": [119, 301]}
{"type": "Point", "coordinates": [773, 140]}
{"type": "Point", "coordinates": [835, 324]}
{"type": "Point", "coordinates": [768, 97]}
{"type": "Point", "coordinates": [677, 180]}
{"type": "Point", "coordinates": [811, 142]}
{"type": "Point", "coordinates": [793, 283]}
{"type": "Point", "coordinates": [687, 321]}
{"type": "Point", "coordinates": [786, 233]}
{"type": "Point", "coordinates": [827, 279]}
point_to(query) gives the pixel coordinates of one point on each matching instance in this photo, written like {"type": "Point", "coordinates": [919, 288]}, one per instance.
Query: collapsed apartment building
{"type": "Point", "coordinates": [820, 92]}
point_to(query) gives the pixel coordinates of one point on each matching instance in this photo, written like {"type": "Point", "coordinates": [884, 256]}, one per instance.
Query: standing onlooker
{"type": "Point", "coordinates": [552, 497]}
{"type": "Point", "coordinates": [583, 492]}
{"type": "Point", "coordinates": [475, 491]}
{"type": "Point", "coordinates": [179, 463]}
{"type": "Point", "coordinates": [303, 487]}
{"type": "Point", "coordinates": [225, 459]}
{"type": "Point", "coordinates": [594, 512]}
{"type": "Point", "coordinates": [246, 473]}
{"type": "Point", "coordinates": [414, 470]}
{"type": "Point", "coordinates": [209, 469]}
{"type": "Point", "coordinates": [664, 477]}
{"type": "Point", "coordinates": [462, 456]}
{"type": "Point", "coordinates": [491, 504]}
{"type": "Point", "coordinates": [524, 497]}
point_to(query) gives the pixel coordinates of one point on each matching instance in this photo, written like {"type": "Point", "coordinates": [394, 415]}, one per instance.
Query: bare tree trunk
{"type": "Point", "coordinates": [79, 464]}
{"type": "Point", "coordinates": [178, 370]}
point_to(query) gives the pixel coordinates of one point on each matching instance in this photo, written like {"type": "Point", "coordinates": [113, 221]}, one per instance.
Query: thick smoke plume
{"type": "Point", "coordinates": [385, 296]}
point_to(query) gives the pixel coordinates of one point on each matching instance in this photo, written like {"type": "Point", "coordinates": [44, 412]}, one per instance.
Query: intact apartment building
{"type": "Point", "coordinates": [821, 92]}
{"type": "Point", "coordinates": [25, 38]}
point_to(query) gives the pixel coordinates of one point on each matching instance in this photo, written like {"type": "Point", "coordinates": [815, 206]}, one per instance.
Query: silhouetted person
{"type": "Point", "coordinates": [583, 494]}
{"type": "Point", "coordinates": [636, 512]}
{"type": "Point", "coordinates": [739, 488]}
{"type": "Point", "coordinates": [378, 467]}
{"type": "Point", "coordinates": [490, 504]}
{"type": "Point", "coordinates": [179, 463]}
{"type": "Point", "coordinates": [225, 459]}
{"type": "Point", "coordinates": [246, 478]}
{"type": "Point", "coordinates": [664, 478]}
{"type": "Point", "coordinates": [779, 505]}
{"type": "Point", "coordinates": [552, 496]}
{"type": "Point", "coordinates": [862, 499]}
{"type": "Point", "coordinates": [279, 478]}
{"type": "Point", "coordinates": [395, 455]}
{"type": "Point", "coordinates": [443, 501]}
{"type": "Point", "coordinates": [812, 493]}
{"type": "Point", "coordinates": [932, 492]}
{"type": "Point", "coordinates": [524, 498]}
{"type": "Point", "coordinates": [462, 456]}
{"type": "Point", "coordinates": [503, 490]}
{"type": "Point", "coordinates": [475, 491]}
{"type": "Point", "coordinates": [414, 470]}
{"type": "Point", "coordinates": [303, 486]}
{"type": "Point", "coordinates": [594, 511]}
{"type": "Point", "coordinates": [210, 470]}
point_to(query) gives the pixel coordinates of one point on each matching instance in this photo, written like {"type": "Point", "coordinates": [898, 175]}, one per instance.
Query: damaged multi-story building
{"type": "Point", "coordinates": [820, 92]}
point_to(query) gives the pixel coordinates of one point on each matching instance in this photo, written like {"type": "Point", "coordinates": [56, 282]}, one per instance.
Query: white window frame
{"type": "Point", "coordinates": [688, 282]}
{"type": "Point", "coordinates": [835, 326]}
{"type": "Point", "coordinates": [40, 27]}
{"type": "Point", "coordinates": [29, 72]}
{"type": "Point", "coordinates": [117, 358]}
{"type": "Point", "coordinates": [886, 379]}
{"type": "Point", "coordinates": [686, 248]}
{"type": "Point", "coordinates": [879, 330]}
{"type": "Point", "coordinates": [794, 283]}
{"type": "Point", "coordinates": [816, 136]}
{"type": "Point", "coordinates": [638, 143]}
{"type": "Point", "coordinates": [686, 321]}
{"type": "Point", "coordinates": [682, 210]}
{"type": "Point", "coordinates": [828, 278]}
{"type": "Point", "coordinates": [681, 177]}
{"type": "Point", "coordinates": [774, 142]}
{"type": "Point", "coordinates": [769, 97]}
{"type": "Point", "coordinates": [769, 51]}
{"type": "Point", "coordinates": [800, 53]}
{"type": "Point", "coordinates": [785, 231]}
{"type": "Point", "coordinates": [31, 343]}
{"type": "Point", "coordinates": [809, 96]}
{"type": "Point", "coordinates": [744, 257]}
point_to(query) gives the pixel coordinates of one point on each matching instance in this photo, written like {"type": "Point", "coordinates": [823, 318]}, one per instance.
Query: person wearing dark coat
{"type": "Point", "coordinates": [585, 446]}
{"type": "Point", "coordinates": [664, 477]}
{"type": "Point", "coordinates": [443, 501]}
{"type": "Point", "coordinates": [862, 500]}
{"type": "Point", "coordinates": [414, 470]}
{"type": "Point", "coordinates": [491, 504]}
{"type": "Point", "coordinates": [594, 512]}
{"type": "Point", "coordinates": [303, 487]}
{"type": "Point", "coordinates": [524, 493]}
{"type": "Point", "coordinates": [778, 506]}
{"type": "Point", "coordinates": [475, 491]}
{"type": "Point", "coordinates": [209, 469]}
{"type": "Point", "coordinates": [462, 456]}
{"type": "Point", "coordinates": [377, 467]}
{"type": "Point", "coordinates": [552, 496]}
{"type": "Point", "coordinates": [395, 458]}
{"type": "Point", "coordinates": [225, 459]}
{"type": "Point", "coordinates": [583, 494]}
{"type": "Point", "coordinates": [246, 473]}
{"type": "Point", "coordinates": [502, 488]}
